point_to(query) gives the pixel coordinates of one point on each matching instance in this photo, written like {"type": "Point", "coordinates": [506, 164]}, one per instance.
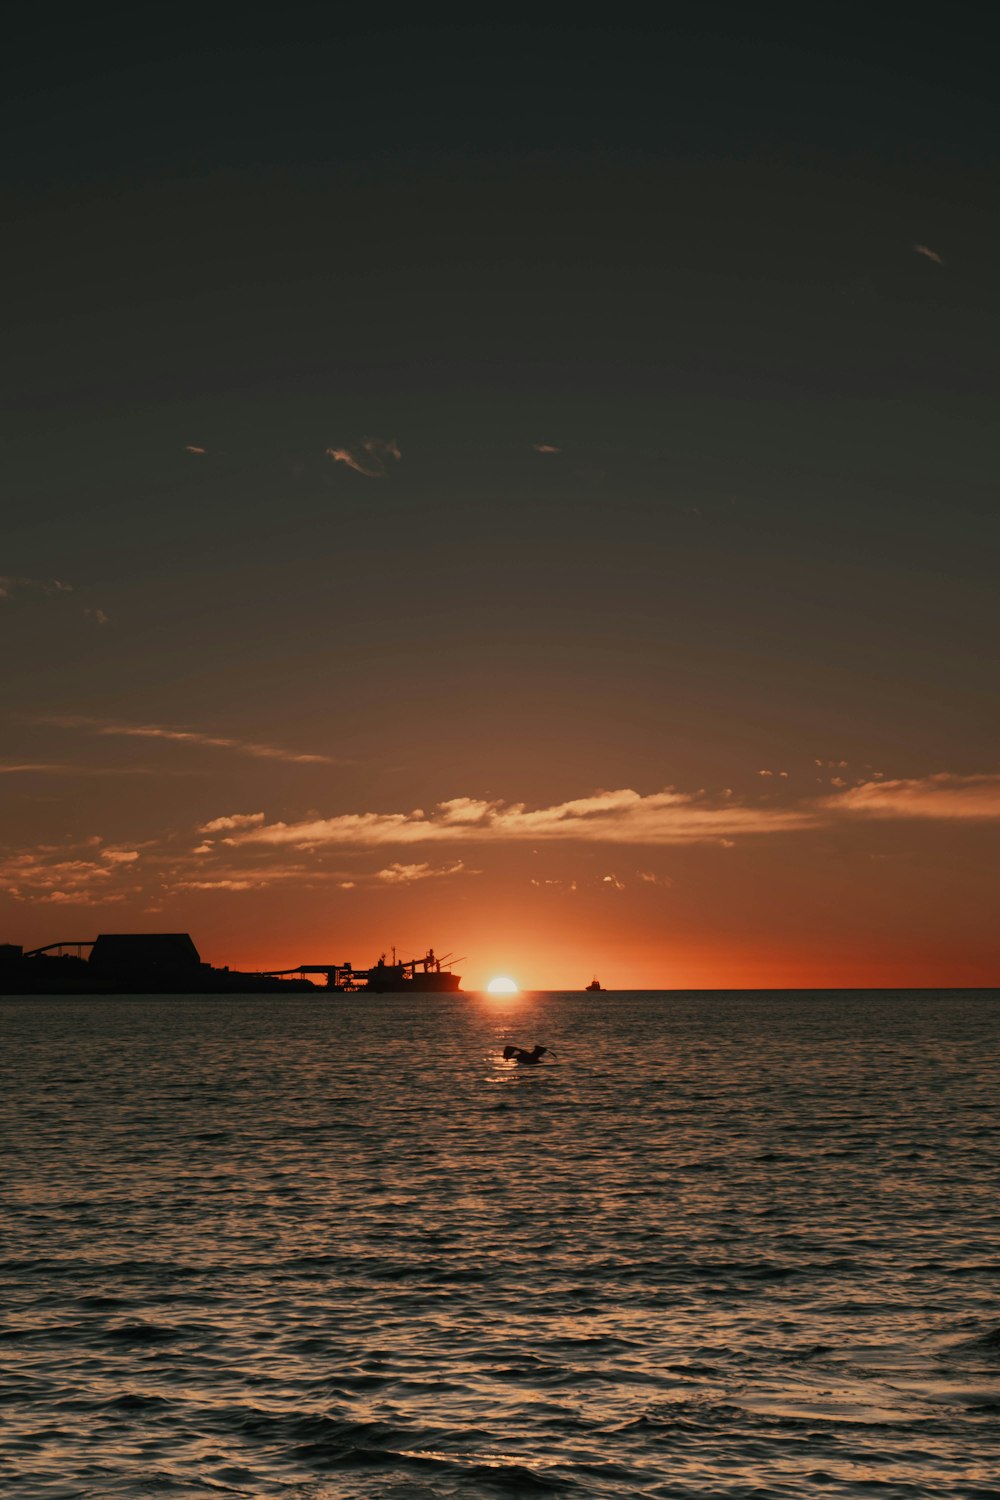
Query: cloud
{"type": "Point", "coordinates": [49, 768]}
{"type": "Point", "coordinates": [613, 882]}
{"type": "Point", "coordinates": [546, 448]}
{"type": "Point", "coordinates": [234, 820]}
{"type": "Point", "coordinates": [460, 810]}
{"type": "Point", "coordinates": [368, 458]}
{"type": "Point", "coordinates": [11, 585]}
{"type": "Point", "coordinates": [227, 878]}
{"type": "Point", "coordinates": [192, 448]}
{"type": "Point", "coordinates": [185, 736]}
{"type": "Point", "coordinates": [928, 254]}
{"type": "Point", "coordinates": [625, 816]}
{"type": "Point", "coordinates": [61, 768]}
{"type": "Point", "coordinates": [78, 898]}
{"type": "Point", "coordinates": [398, 874]}
{"type": "Point", "coordinates": [56, 874]}
{"type": "Point", "coordinates": [98, 615]}
{"type": "Point", "coordinates": [942, 796]}
{"type": "Point", "coordinates": [227, 883]}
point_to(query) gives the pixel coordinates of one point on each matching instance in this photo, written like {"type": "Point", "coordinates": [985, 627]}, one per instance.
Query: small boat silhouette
{"type": "Point", "coordinates": [523, 1055]}
{"type": "Point", "coordinates": [595, 984]}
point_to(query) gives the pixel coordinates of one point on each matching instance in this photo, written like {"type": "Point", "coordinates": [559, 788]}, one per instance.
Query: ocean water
{"type": "Point", "coordinates": [716, 1245]}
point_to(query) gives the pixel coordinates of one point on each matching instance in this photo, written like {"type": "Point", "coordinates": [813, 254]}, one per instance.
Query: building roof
{"type": "Point", "coordinates": [156, 952]}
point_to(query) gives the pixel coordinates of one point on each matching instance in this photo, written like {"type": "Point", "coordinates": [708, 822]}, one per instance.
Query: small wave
{"type": "Point", "coordinates": [982, 1343]}
{"type": "Point", "coordinates": [769, 1272]}
{"type": "Point", "coordinates": [329, 1441]}
{"type": "Point", "coordinates": [143, 1333]}
{"type": "Point", "coordinates": [515, 1477]}
{"type": "Point", "coordinates": [135, 1401]}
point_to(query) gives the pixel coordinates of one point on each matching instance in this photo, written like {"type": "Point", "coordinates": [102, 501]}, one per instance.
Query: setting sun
{"type": "Point", "coordinates": [502, 986]}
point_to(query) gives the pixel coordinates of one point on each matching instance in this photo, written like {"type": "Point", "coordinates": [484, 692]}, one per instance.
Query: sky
{"type": "Point", "coordinates": [529, 489]}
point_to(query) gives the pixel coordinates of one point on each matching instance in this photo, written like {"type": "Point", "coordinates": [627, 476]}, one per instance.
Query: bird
{"type": "Point", "coordinates": [522, 1055]}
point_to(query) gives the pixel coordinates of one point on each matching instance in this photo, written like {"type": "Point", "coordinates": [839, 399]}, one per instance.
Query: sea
{"type": "Point", "coordinates": [715, 1244]}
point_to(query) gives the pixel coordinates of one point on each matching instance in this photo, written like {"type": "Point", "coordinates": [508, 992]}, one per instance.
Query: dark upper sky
{"type": "Point", "coordinates": [685, 255]}
{"type": "Point", "coordinates": [124, 94]}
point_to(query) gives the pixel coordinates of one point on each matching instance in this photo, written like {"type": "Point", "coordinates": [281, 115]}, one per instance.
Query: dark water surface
{"type": "Point", "coordinates": [721, 1245]}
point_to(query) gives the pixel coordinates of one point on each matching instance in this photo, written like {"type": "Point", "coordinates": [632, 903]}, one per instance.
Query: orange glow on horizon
{"type": "Point", "coordinates": [552, 962]}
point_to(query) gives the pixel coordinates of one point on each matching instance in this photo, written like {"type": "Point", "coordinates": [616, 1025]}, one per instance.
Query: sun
{"type": "Point", "coordinates": [502, 986]}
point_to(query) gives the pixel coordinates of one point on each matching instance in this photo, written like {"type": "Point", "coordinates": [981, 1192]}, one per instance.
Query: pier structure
{"type": "Point", "coordinates": [428, 973]}
{"type": "Point", "coordinates": [149, 963]}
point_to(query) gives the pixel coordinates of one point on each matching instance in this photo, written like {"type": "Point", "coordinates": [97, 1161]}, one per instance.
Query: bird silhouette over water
{"type": "Point", "coordinates": [523, 1055]}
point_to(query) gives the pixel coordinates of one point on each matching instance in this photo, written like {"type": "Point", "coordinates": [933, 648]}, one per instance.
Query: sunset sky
{"type": "Point", "coordinates": [530, 490]}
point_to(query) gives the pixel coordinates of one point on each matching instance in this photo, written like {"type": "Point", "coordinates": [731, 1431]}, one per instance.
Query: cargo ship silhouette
{"type": "Point", "coordinates": [168, 963]}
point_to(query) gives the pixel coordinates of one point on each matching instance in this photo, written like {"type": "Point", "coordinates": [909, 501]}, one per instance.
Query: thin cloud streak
{"type": "Point", "coordinates": [233, 820]}
{"type": "Point", "coordinates": [928, 254]}
{"type": "Point", "coordinates": [10, 585]}
{"type": "Point", "coordinates": [400, 874]}
{"type": "Point", "coordinates": [625, 816]}
{"type": "Point", "coordinates": [941, 796]}
{"type": "Point", "coordinates": [186, 736]}
{"type": "Point", "coordinates": [60, 768]}
{"type": "Point", "coordinates": [369, 458]}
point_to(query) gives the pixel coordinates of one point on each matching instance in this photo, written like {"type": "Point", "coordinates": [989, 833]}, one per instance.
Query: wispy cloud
{"type": "Point", "coordinates": [187, 737]}
{"type": "Point", "coordinates": [233, 820]}
{"type": "Point", "coordinates": [37, 768]}
{"type": "Point", "coordinates": [11, 585]}
{"type": "Point", "coordinates": [941, 796]}
{"type": "Point", "coordinates": [193, 448]}
{"type": "Point", "coordinates": [628, 817]}
{"type": "Point", "coordinates": [80, 898]}
{"type": "Point", "coordinates": [64, 768]}
{"type": "Point", "coordinates": [399, 874]}
{"type": "Point", "coordinates": [546, 448]}
{"type": "Point", "coordinates": [224, 883]}
{"type": "Point", "coordinates": [928, 253]}
{"type": "Point", "coordinates": [69, 873]}
{"type": "Point", "coordinates": [369, 457]}
{"type": "Point", "coordinates": [226, 878]}
{"type": "Point", "coordinates": [625, 816]}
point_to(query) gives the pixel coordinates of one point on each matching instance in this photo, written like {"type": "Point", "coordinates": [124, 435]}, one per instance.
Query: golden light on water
{"type": "Point", "coordinates": [502, 986]}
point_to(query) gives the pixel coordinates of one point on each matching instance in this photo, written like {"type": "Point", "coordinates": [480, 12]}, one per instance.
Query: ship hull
{"type": "Point", "coordinates": [419, 984]}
